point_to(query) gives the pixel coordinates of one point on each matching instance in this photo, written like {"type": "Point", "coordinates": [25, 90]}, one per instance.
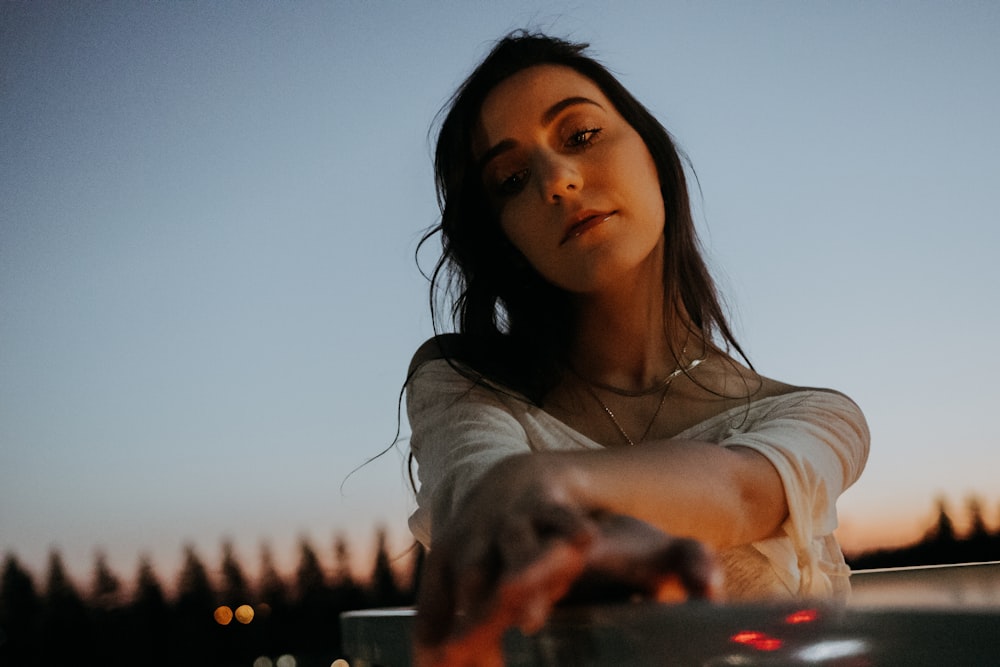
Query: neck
{"type": "Point", "coordinates": [624, 337]}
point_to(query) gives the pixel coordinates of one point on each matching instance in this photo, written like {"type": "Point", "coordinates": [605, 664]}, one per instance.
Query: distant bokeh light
{"type": "Point", "coordinates": [834, 649]}
{"type": "Point", "coordinates": [263, 661]}
{"type": "Point", "coordinates": [286, 661]}
{"type": "Point", "coordinates": [802, 616]}
{"type": "Point", "coordinates": [223, 615]}
{"type": "Point", "coordinates": [757, 640]}
{"type": "Point", "coordinates": [244, 613]}
{"type": "Point", "coordinates": [340, 662]}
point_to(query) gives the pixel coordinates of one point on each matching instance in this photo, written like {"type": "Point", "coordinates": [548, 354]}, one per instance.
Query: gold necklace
{"type": "Point", "coordinates": [633, 393]}
{"type": "Point", "coordinates": [663, 397]}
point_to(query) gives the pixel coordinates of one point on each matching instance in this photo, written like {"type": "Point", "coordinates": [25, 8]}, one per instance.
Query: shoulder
{"type": "Point", "coordinates": [492, 362]}
{"type": "Point", "coordinates": [764, 399]}
{"type": "Point", "coordinates": [442, 346]}
{"type": "Point", "coordinates": [821, 397]}
{"type": "Point", "coordinates": [781, 393]}
{"type": "Point", "coordinates": [443, 391]}
{"type": "Point", "coordinates": [448, 362]}
{"type": "Point", "coordinates": [742, 384]}
{"type": "Point", "coordinates": [773, 395]}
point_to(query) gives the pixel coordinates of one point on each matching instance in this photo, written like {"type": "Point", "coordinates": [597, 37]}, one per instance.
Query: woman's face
{"type": "Point", "coordinates": [574, 186]}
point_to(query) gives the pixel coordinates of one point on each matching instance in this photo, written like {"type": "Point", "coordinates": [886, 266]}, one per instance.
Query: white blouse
{"type": "Point", "coordinates": [816, 439]}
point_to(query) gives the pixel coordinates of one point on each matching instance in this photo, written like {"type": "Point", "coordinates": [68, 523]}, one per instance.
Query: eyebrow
{"type": "Point", "coordinates": [548, 116]}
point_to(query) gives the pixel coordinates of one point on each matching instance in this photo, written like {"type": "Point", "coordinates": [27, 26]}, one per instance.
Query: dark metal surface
{"type": "Point", "coordinates": [706, 635]}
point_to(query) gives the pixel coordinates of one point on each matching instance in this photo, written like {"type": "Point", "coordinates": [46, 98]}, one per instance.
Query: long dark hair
{"type": "Point", "coordinates": [513, 324]}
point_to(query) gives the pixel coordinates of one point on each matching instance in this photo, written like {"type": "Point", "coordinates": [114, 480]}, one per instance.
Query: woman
{"type": "Point", "coordinates": [588, 421]}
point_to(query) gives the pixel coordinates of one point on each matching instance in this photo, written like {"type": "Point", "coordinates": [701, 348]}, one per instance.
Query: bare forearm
{"type": "Point", "coordinates": [721, 496]}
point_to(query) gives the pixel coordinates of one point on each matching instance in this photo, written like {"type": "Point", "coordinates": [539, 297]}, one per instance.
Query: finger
{"type": "Point", "coordinates": [518, 543]}
{"type": "Point", "coordinates": [451, 590]}
{"type": "Point", "coordinates": [522, 538]}
{"type": "Point", "coordinates": [629, 556]}
{"type": "Point", "coordinates": [668, 589]}
{"type": "Point", "coordinates": [694, 567]}
{"type": "Point", "coordinates": [524, 571]}
{"type": "Point", "coordinates": [476, 649]}
{"type": "Point", "coordinates": [475, 598]}
{"type": "Point", "coordinates": [435, 600]}
{"type": "Point", "coordinates": [625, 547]}
{"type": "Point", "coordinates": [562, 522]}
{"type": "Point", "coordinates": [525, 598]}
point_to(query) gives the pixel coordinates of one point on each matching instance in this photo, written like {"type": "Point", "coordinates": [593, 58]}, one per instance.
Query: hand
{"type": "Point", "coordinates": [631, 559]}
{"type": "Point", "coordinates": [520, 545]}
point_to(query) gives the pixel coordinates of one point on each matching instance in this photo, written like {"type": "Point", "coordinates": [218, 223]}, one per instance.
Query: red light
{"type": "Point", "coordinates": [802, 616]}
{"type": "Point", "coordinates": [756, 640]}
{"type": "Point", "coordinates": [747, 637]}
{"type": "Point", "coordinates": [767, 644]}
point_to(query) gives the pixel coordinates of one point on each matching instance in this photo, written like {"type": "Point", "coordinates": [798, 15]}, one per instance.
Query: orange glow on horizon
{"type": "Point", "coordinates": [886, 532]}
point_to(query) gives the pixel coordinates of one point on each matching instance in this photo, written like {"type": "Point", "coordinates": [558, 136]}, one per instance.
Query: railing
{"type": "Point", "coordinates": [966, 586]}
{"type": "Point", "coordinates": [910, 616]}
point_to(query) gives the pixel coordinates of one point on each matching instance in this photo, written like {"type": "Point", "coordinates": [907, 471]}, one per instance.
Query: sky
{"type": "Point", "coordinates": [209, 214]}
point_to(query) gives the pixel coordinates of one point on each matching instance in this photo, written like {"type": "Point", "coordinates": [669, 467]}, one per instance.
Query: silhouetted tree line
{"type": "Point", "coordinates": [941, 544]}
{"type": "Point", "coordinates": [108, 623]}
{"type": "Point", "coordinates": [112, 624]}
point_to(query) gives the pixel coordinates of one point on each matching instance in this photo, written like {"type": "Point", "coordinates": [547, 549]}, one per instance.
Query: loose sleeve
{"type": "Point", "coordinates": [818, 442]}
{"type": "Point", "coordinates": [459, 430]}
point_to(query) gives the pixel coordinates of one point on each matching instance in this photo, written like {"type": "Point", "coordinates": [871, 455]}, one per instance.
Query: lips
{"type": "Point", "coordinates": [584, 221]}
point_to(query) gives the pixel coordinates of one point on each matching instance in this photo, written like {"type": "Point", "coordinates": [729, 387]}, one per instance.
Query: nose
{"type": "Point", "coordinates": [560, 179]}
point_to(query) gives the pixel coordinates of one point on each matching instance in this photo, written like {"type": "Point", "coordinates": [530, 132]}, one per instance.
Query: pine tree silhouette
{"type": "Point", "coordinates": [979, 545]}
{"type": "Point", "coordinates": [341, 560]}
{"type": "Point", "coordinates": [107, 610]}
{"type": "Point", "coordinates": [944, 528]}
{"type": "Point", "coordinates": [66, 630]}
{"type": "Point", "coordinates": [941, 545]}
{"type": "Point", "coordinates": [20, 615]}
{"type": "Point", "coordinates": [194, 625]}
{"type": "Point", "coordinates": [385, 590]}
{"type": "Point", "coordinates": [977, 525]}
{"type": "Point", "coordinates": [996, 531]}
{"type": "Point", "coordinates": [235, 590]}
{"type": "Point", "coordinates": [310, 581]}
{"type": "Point", "coordinates": [237, 643]}
{"type": "Point", "coordinates": [346, 592]}
{"type": "Point", "coordinates": [274, 608]}
{"type": "Point", "coordinates": [150, 618]}
{"type": "Point", "coordinates": [194, 590]}
{"type": "Point", "coordinates": [149, 598]}
{"type": "Point", "coordinates": [106, 590]}
{"type": "Point", "coordinates": [273, 589]}
{"type": "Point", "coordinates": [112, 627]}
{"type": "Point", "coordinates": [315, 615]}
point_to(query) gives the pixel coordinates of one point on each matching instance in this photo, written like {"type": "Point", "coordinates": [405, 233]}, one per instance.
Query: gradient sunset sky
{"type": "Point", "coordinates": [208, 214]}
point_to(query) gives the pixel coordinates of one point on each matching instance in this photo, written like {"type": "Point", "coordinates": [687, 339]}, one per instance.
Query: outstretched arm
{"type": "Point", "coordinates": [537, 525]}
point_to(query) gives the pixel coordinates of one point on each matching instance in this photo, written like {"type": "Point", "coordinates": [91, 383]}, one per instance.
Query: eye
{"type": "Point", "coordinates": [583, 138]}
{"type": "Point", "coordinates": [513, 184]}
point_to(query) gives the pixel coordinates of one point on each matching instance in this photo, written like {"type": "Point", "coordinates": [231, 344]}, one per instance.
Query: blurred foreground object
{"type": "Point", "coordinates": [930, 626]}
